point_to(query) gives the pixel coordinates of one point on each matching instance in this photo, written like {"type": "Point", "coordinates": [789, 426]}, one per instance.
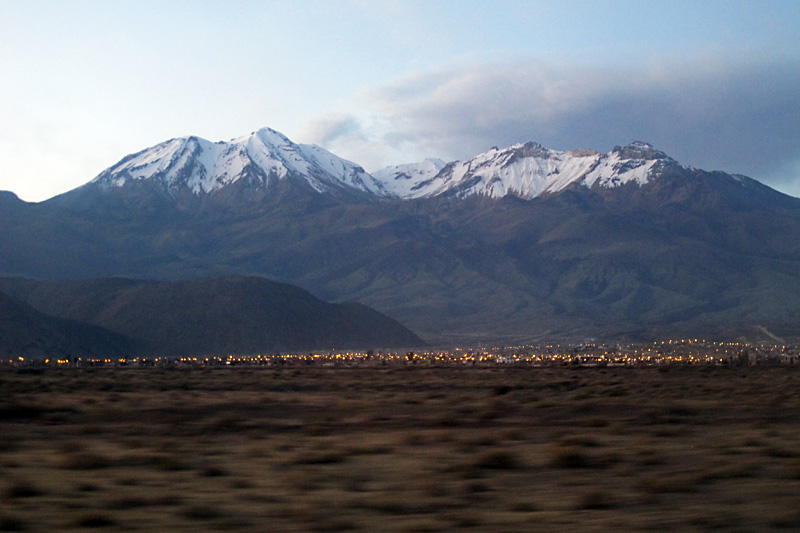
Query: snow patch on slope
{"type": "Point", "coordinates": [399, 179]}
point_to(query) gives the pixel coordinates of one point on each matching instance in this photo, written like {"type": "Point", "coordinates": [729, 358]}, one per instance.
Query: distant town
{"type": "Point", "coordinates": [667, 352]}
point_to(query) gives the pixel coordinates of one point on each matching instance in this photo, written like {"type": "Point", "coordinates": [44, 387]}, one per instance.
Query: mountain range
{"type": "Point", "coordinates": [515, 244]}
{"type": "Point", "coordinates": [254, 162]}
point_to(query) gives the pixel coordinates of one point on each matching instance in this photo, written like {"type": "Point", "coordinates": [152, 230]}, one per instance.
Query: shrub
{"type": "Point", "coordinates": [570, 457]}
{"type": "Point", "coordinates": [22, 489]}
{"type": "Point", "coordinates": [93, 520]}
{"type": "Point", "coordinates": [497, 460]}
{"type": "Point", "coordinates": [12, 523]}
{"type": "Point", "coordinates": [596, 501]}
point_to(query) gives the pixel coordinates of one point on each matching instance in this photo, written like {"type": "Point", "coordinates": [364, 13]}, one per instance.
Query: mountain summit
{"type": "Point", "coordinates": [256, 160]}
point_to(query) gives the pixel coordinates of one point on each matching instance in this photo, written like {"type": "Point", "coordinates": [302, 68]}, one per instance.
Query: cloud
{"type": "Point", "coordinates": [370, 141]}
{"type": "Point", "coordinates": [329, 130]}
{"type": "Point", "coordinates": [738, 115]}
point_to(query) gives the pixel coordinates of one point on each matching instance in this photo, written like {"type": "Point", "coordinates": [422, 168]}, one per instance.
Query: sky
{"type": "Point", "coordinates": [714, 84]}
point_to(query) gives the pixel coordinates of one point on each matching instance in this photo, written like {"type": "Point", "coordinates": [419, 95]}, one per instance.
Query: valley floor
{"type": "Point", "coordinates": [481, 449]}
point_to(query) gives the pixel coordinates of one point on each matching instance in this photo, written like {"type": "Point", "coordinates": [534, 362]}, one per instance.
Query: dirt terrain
{"type": "Point", "coordinates": [488, 449]}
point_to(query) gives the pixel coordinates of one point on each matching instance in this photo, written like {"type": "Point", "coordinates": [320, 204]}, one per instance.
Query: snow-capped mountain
{"type": "Point", "coordinates": [204, 167]}
{"type": "Point", "coordinates": [201, 167]}
{"type": "Point", "coordinates": [399, 180]}
{"type": "Point", "coordinates": [627, 242]}
{"type": "Point", "coordinates": [529, 170]}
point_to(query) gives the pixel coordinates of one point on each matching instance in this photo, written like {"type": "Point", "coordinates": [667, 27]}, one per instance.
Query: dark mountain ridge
{"type": "Point", "coordinates": [25, 332]}
{"type": "Point", "coordinates": [219, 316]}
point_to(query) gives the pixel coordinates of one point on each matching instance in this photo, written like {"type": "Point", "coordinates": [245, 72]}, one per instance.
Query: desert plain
{"type": "Point", "coordinates": [405, 448]}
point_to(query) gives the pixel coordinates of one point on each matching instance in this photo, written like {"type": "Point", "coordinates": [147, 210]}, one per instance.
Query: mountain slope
{"type": "Point", "coordinates": [25, 332]}
{"type": "Point", "coordinates": [629, 262]}
{"type": "Point", "coordinates": [220, 316]}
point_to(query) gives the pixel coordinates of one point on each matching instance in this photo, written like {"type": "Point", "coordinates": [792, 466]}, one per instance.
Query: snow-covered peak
{"type": "Point", "coordinates": [529, 170]}
{"type": "Point", "coordinates": [204, 167]}
{"type": "Point", "coordinates": [639, 150]}
{"type": "Point", "coordinates": [270, 137]}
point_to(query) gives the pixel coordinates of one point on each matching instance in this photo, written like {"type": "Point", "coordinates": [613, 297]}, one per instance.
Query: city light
{"type": "Point", "coordinates": [658, 353]}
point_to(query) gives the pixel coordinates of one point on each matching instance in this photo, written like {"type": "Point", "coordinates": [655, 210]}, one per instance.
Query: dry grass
{"type": "Point", "coordinates": [400, 449]}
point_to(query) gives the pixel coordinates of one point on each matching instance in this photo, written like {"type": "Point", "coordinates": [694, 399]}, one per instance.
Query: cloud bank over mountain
{"type": "Point", "coordinates": [738, 115]}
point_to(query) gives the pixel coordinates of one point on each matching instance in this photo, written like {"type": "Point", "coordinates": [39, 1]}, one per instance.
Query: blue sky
{"type": "Point", "coordinates": [715, 84]}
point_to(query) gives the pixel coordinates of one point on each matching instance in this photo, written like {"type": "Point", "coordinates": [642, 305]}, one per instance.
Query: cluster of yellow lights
{"type": "Point", "coordinates": [684, 351]}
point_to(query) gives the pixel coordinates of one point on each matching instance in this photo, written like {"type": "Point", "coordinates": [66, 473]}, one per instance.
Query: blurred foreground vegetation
{"type": "Point", "coordinates": [400, 448]}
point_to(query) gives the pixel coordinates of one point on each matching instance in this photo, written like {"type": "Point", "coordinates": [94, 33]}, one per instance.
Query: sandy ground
{"type": "Point", "coordinates": [400, 449]}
